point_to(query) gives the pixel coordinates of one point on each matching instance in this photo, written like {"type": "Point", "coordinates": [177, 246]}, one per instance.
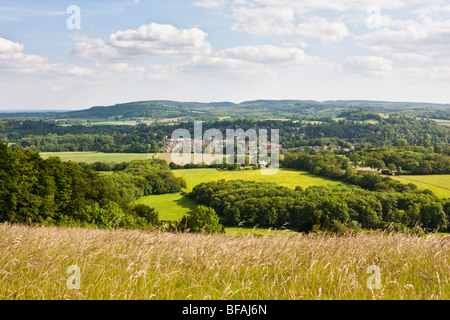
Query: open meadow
{"type": "Point", "coordinates": [91, 157]}
{"type": "Point", "coordinates": [285, 177]}
{"type": "Point", "coordinates": [438, 183]}
{"type": "Point", "coordinates": [129, 264]}
{"type": "Point", "coordinates": [175, 206]}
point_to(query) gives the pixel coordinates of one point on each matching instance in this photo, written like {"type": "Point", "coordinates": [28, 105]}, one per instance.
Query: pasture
{"type": "Point", "coordinates": [170, 206]}
{"type": "Point", "coordinates": [285, 177]}
{"type": "Point", "coordinates": [91, 157]}
{"type": "Point", "coordinates": [438, 183]}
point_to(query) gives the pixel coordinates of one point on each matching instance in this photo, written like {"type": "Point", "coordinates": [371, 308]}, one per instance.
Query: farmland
{"type": "Point", "coordinates": [174, 206]}
{"type": "Point", "coordinates": [90, 157]}
{"type": "Point", "coordinates": [124, 264]}
{"type": "Point", "coordinates": [438, 184]}
{"type": "Point", "coordinates": [170, 206]}
{"type": "Point", "coordinates": [285, 177]}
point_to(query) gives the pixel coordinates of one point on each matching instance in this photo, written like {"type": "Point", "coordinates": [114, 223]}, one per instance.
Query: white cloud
{"type": "Point", "coordinates": [266, 20]}
{"type": "Point", "coordinates": [9, 47]}
{"type": "Point", "coordinates": [302, 6]}
{"type": "Point", "coordinates": [161, 39]}
{"type": "Point", "coordinates": [260, 62]}
{"type": "Point", "coordinates": [209, 3]}
{"type": "Point", "coordinates": [152, 40]}
{"type": "Point", "coordinates": [326, 32]}
{"type": "Point", "coordinates": [96, 50]}
{"type": "Point", "coordinates": [433, 10]}
{"type": "Point", "coordinates": [284, 20]}
{"type": "Point", "coordinates": [419, 40]}
{"type": "Point", "coordinates": [368, 65]}
{"type": "Point", "coordinates": [13, 60]}
{"type": "Point", "coordinates": [219, 67]}
{"type": "Point", "coordinates": [269, 54]}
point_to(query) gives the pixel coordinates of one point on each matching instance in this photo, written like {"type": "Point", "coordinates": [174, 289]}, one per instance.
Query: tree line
{"type": "Point", "coordinates": [251, 203]}
{"type": "Point", "coordinates": [404, 160]}
{"type": "Point", "coordinates": [50, 191]}
{"type": "Point", "coordinates": [341, 133]}
{"type": "Point", "coordinates": [328, 164]}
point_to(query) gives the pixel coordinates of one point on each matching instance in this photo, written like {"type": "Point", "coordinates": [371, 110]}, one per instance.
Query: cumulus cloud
{"type": "Point", "coordinates": [369, 65]}
{"type": "Point", "coordinates": [209, 3]}
{"type": "Point", "coordinates": [302, 6]}
{"type": "Point", "coordinates": [425, 39]}
{"type": "Point", "coordinates": [327, 32]}
{"type": "Point", "coordinates": [255, 62]}
{"type": "Point", "coordinates": [15, 61]}
{"type": "Point", "coordinates": [266, 20]}
{"type": "Point", "coordinates": [278, 20]}
{"type": "Point", "coordinates": [269, 54]}
{"type": "Point", "coordinates": [220, 66]}
{"type": "Point", "coordinates": [152, 40]}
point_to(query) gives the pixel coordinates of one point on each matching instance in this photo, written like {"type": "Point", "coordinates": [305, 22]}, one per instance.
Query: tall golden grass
{"type": "Point", "coordinates": [124, 264]}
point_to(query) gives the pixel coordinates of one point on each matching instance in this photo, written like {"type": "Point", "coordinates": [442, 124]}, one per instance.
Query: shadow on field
{"type": "Point", "coordinates": [185, 202]}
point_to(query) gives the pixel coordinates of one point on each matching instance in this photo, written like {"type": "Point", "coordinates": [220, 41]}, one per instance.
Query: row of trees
{"type": "Point", "coordinates": [330, 165]}
{"type": "Point", "coordinates": [403, 160]}
{"type": "Point", "coordinates": [251, 203]}
{"type": "Point", "coordinates": [145, 177]}
{"type": "Point", "coordinates": [344, 133]}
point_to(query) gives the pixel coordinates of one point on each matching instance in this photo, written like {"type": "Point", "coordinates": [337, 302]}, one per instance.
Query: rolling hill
{"type": "Point", "coordinates": [256, 109]}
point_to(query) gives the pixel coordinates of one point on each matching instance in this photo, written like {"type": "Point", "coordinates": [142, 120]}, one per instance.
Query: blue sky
{"type": "Point", "coordinates": [221, 50]}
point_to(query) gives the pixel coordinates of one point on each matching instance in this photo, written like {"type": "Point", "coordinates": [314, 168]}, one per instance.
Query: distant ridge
{"type": "Point", "coordinates": [160, 109]}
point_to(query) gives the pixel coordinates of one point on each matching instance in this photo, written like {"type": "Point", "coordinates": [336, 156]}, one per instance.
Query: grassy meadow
{"type": "Point", "coordinates": [170, 206]}
{"type": "Point", "coordinates": [285, 177]}
{"type": "Point", "coordinates": [439, 183]}
{"type": "Point", "coordinates": [91, 156]}
{"type": "Point", "coordinates": [131, 264]}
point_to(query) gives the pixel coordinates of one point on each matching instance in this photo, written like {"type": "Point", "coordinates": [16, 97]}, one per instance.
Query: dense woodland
{"type": "Point", "coordinates": [319, 208]}
{"type": "Point", "coordinates": [50, 191]}
{"type": "Point", "coordinates": [335, 134]}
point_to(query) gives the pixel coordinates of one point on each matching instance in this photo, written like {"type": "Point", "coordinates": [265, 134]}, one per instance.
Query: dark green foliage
{"type": "Point", "coordinates": [339, 136]}
{"type": "Point", "coordinates": [406, 159]}
{"type": "Point", "coordinates": [219, 166]}
{"type": "Point", "coordinates": [148, 213]}
{"type": "Point", "coordinates": [34, 190]}
{"type": "Point", "coordinates": [330, 165]}
{"type": "Point", "coordinates": [158, 175]}
{"type": "Point", "coordinates": [317, 208]}
{"type": "Point", "coordinates": [145, 177]}
{"type": "Point", "coordinates": [201, 220]}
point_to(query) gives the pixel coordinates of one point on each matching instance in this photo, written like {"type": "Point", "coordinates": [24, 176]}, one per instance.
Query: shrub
{"type": "Point", "coordinates": [148, 213]}
{"type": "Point", "coordinates": [202, 220]}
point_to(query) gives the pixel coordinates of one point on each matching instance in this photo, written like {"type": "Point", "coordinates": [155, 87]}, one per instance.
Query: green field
{"type": "Point", "coordinates": [439, 183]}
{"type": "Point", "coordinates": [286, 177]}
{"type": "Point", "coordinates": [170, 206]}
{"type": "Point", "coordinates": [91, 157]}
{"type": "Point", "coordinates": [173, 206]}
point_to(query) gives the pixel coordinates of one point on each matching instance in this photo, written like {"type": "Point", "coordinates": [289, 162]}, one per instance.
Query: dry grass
{"type": "Point", "coordinates": [153, 265]}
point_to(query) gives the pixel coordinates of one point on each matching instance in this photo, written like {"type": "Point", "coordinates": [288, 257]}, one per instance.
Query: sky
{"type": "Point", "coordinates": [68, 55]}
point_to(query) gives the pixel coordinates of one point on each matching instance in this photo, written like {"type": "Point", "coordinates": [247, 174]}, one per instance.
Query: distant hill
{"type": "Point", "coordinates": [255, 109]}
